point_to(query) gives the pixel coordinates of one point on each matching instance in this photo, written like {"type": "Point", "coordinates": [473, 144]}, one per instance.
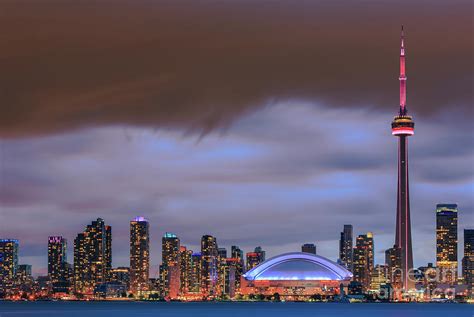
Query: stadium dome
{"type": "Point", "coordinates": [298, 266]}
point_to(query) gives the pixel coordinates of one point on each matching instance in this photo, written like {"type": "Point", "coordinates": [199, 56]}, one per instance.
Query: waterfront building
{"type": "Point", "coordinates": [171, 257]}
{"type": "Point", "coordinates": [92, 257]}
{"type": "Point", "coordinates": [255, 258]}
{"type": "Point", "coordinates": [174, 280]}
{"type": "Point", "coordinates": [8, 262]}
{"type": "Point", "coordinates": [222, 253]}
{"type": "Point", "coordinates": [186, 269]}
{"type": "Point", "coordinates": [57, 258]}
{"type": "Point", "coordinates": [252, 260]}
{"type": "Point", "coordinates": [309, 248]}
{"type": "Point", "coordinates": [345, 247]}
{"type": "Point", "coordinates": [428, 277]}
{"type": "Point", "coordinates": [24, 271]}
{"type": "Point", "coordinates": [363, 259]}
{"type": "Point", "coordinates": [227, 282]}
{"type": "Point", "coordinates": [295, 276]}
{"type": "Point", "coordinates": [379, 277]}
{"type": "Point", "coordinates": [468, 259]}
{"type": "Point", "coordinates": [261, 253]}
{"type": "Point", "coordinates": [238, 254]}
{"type": "Point", "coordinates": [139, 255]}
{"type": "Point", "coordinates": [447, 242]}
{"type": "Point", "coordinates": [196, 270]}
{"type": "Point", "coordinates": [209, 263]}
{"type": "Point", "coordinates": [393, 260]}
{"type": "Point", "coordinates": [403, 127]}
{"type": "Point", "coordinates": [121, 274]}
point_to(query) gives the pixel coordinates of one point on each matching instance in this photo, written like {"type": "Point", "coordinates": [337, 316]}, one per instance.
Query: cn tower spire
{"type": "Point", "coordinates": [403, 127]}
{"type": "Point", "coordinates": [403, 77]}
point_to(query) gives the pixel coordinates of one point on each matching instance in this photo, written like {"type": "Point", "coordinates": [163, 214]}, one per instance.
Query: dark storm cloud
{"type": "Point", "coordinates": [199, 65]}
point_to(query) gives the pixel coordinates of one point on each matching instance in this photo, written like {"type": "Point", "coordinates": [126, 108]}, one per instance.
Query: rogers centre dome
{"type": "Point", "coordinates": [295, 275]}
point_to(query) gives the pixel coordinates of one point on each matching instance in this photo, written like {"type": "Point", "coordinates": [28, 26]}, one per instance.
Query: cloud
{"type": "Point", "coordinates": [277, 178]}
{"type": "Point", "coordinates": [199, 67]}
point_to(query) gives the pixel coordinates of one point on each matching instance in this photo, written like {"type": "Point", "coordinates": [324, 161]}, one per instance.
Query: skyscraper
{"type": "Point", "coordinates": [57, 264]}
{"type": "Point", "coordinates": [363, 265]}
{"type": "Point", "coordinates": [170, 256]}
{"type": "Point", "coordinates": [139, 255]}
{"type": "Point", "coordinates": [8, 261]}
{"type": "Point", "coordinates": [393, 261]}
{"type": "Point", "coordinates": [308, 248]}
{"type": "Point", "coordinates": [447, 242]}
{"type": "Point", "coordinates": [403, 127]}
{"type": "Point", "coordinates": [468, 259]}
{"type": "Point", "coordinates": [57, 258]}
{"type": "Point", "coordinates": [92, 256]}
{"type": "Point", "coordinates": [196, 271]}
{"type": "Point", "coordinates": [209, 260]}
{"type": "Point", "coordinates": [238, 254]}
{"type": "Point", "coordinates": [186, 269]}
{"type": "Point", "coordinates": [345, 247]}
{"type": "Point", "coordinates": [261, 253]}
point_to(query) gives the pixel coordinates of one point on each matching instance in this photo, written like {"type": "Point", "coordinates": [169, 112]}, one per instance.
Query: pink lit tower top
{"type": "Point", "coordinates": [403, 127]}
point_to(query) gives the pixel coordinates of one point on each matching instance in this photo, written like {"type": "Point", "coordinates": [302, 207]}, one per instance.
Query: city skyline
{"type": "Point", "coordinates": [224, 161]}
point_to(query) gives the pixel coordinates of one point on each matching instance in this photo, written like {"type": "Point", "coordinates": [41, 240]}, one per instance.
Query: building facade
{"type": "Point", "coordinates": [170, 248]}
{"type": "Point", "coordinates": [447, 242]}
{"type": "Point", "coordinates": [393, 260]}
{"type": "Point", "coordinates": [139, 255]}
{"type": "Point", "coordinates": [209, 265]}
{"type": "Point", "coordinates": [8, 262]}
{"type": "Point", "coordinates": [363, 257]}
{"type": "Point", "coordinates": [92, 257]}
{"type": "Point", "coordinates": [468, 259]}
{"type": "Point", "coordinates": [346, 247]}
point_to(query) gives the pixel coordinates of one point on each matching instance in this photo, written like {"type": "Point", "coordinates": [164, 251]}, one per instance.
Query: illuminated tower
{"type": "Point", "coordinates": [139, 255]}
{"type": "Point", "coordinates": [403, 127]}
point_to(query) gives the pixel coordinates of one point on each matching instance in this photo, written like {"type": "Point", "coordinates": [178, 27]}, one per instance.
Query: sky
{"type": "Point", "coordinates": [264, 123]}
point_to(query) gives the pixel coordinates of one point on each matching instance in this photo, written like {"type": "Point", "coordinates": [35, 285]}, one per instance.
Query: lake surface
{"type": "Point", "coordinates": [243, 309]}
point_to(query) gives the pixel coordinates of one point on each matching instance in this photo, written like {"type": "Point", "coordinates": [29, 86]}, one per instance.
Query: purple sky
{"type": "Point", "coordinates": [262, 123]}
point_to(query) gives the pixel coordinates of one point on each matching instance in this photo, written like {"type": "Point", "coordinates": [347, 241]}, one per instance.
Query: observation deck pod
{"type": "Point", "coordinates": [403, 125]}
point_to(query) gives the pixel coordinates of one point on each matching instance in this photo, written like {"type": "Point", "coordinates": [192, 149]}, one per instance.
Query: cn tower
{"type": "Point", "coordinates": [403, 127]}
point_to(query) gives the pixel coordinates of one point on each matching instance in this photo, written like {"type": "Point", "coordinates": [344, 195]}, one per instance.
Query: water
{"type": "Point", "coordinates": [242, 309]}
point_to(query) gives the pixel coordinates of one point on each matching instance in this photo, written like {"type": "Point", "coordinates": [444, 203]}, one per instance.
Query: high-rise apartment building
{"type": "Point", "coordinates": [393, 258]}
{"type": "Point", "coordinates": [8, 261]}
{"type": "Point", "coordinates": [447, 242]}
{"type": "Point", "coordinates": [345, 247]}
{"type": "Point", "coordinates": [57, 258]}
{"type": "Point", "coordinates": [363, 257]}
{"type": "Point", "coordinates": [170, 255]}
{"type": "Point", "coordinates": [186, 269]}
{"type": "Point", "coordinates": [468, 259]}
{"type": "Point", "coordinates": [92, 257]}
{"type": "Point", "coordinates": [209, 269]}
{"type": "Point", "coordinates": [139, 255]}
